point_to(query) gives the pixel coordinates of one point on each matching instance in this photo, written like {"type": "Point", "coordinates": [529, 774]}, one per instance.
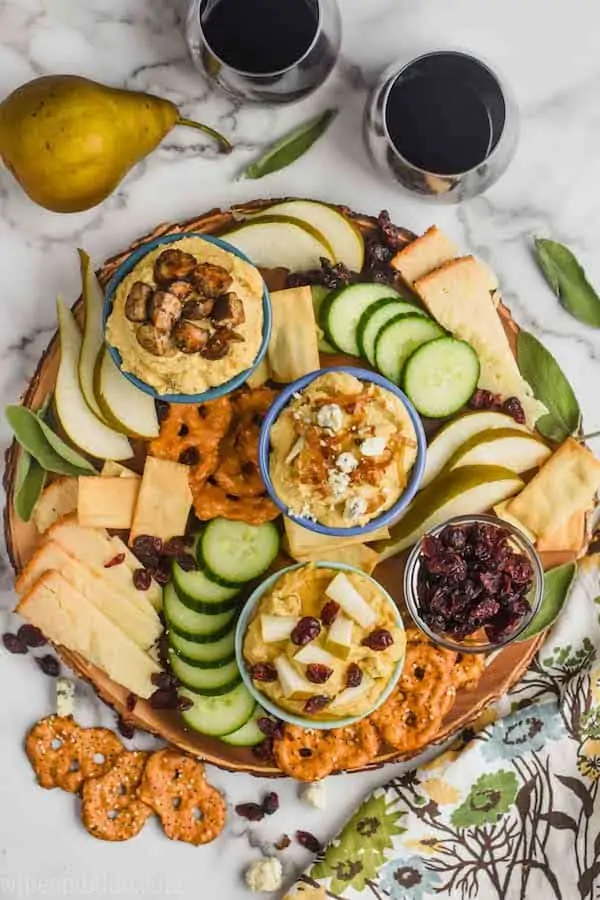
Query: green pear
{"type": "Point", "coordinates": [69, 141]}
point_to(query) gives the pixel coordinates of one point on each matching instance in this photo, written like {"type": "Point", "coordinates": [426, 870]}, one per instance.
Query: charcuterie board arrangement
{"type": "Point", "coordinates": [228, 451]}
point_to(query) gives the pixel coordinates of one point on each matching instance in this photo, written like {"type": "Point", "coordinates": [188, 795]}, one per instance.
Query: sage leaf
{"type": "Point", "coordinates": [557, 583]}
{"type": "Point", "coordinates": [63, 449]}
{"type": "Point", "coordinates": [29, 484]}
{"type": "Point", "coordinates": [539, 368]}
{"type": "Point", "coordinates": [289, 148]}
{"type": "Point", "coordinates": [568, 280]}
{"type": "Point", "coordinates": [30, 432]}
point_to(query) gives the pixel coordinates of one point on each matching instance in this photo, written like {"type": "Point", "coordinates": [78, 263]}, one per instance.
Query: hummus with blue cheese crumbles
{"type": "Point", "coordinates": [342, 451]}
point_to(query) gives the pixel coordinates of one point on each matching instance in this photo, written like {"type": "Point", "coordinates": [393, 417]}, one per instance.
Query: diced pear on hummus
{"type": "Point", "coordinates": [277, 628]}
{"type": "Point", "coordinates": [350, 696]}
{"type": "Point", "coordinates": [293, 348]}
{"type": "Point", "coordinates": [339, 637]}
{"type": "Point", "coordinates": [294, 685]}
{"type": "Point", "coordinates": [343, 592]}
{"type": "Point", "coordinates": [312, 654]}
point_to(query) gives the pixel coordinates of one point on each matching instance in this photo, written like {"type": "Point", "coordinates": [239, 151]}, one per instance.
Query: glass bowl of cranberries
{"type": "Point", "coordinates": [473, 584]}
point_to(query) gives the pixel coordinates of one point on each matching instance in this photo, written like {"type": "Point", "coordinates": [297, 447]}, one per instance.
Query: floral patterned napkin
{"type": "Point", "coordinates": [510, 811]}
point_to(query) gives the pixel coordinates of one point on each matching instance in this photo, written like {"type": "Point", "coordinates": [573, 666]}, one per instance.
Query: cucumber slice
{"type": "Point", "coordinates": [217, 653]}
{"type": "Point", "coordinates": [196, 590]}
{"type": "Point", "coordinates": [319, 292]}
{"type": "Point", "coordinates": [201, 628]}
{"type": "Point", "coordinates": [249, 734]}
{"type": "Point", "coordinates": [375, 317]}
{"type": "Point", "coordinates": [232, 553]}
{"type": "Point", "coordinates": [441, 376]}
{"type": "Point", "coordinates": [399, 339]}
{"type": "Point", "coordinates": [212, 682]}
{"type": "Point", "coordinates": [221, 714]}
{"type": "Point", "coordinates": [342, 309]}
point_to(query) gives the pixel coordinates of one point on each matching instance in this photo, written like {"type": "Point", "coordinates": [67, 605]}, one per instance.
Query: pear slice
{"type": "Point", "coordinates": [470, 489]}
{"type": "Point", "coordinates": [342, 236]}
{"type": "Point", "coordinates": [277, 628]}
{"type": "Point", "coordinates": [294, 686]}
{"type": "Point", "coordinates": [93, 334]}
{"type": "Point", "coordinates": [83, 428]}
{"type": "Point", "coordinates": [342, 591]}
{"type": "Point", "coordinates": [508, 447]}
{"type": "Point", "coordinates": [123, 405]}
{"type": "Point", "coordinates": [312, 654]}
{"type": "Point", "coordinates": [339, 637]}
{"type": "Point", "coordinates": [448, 440]}
{"type": "Point", "coordinates": [276, 241]}
{"type": "Point", "coordinates": [350, 696]}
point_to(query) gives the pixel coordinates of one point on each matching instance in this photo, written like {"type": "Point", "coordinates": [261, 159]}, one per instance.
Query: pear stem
{"type": "Point", "coordinates": [586, 437]}
{"type": "Point", "coordinates": [225, 146]}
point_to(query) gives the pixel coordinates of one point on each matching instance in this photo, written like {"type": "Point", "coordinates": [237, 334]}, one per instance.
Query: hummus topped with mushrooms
{"type": "Point", "coordinates": [320, 657]}
{"type": "Point", "coordinates": [188, 317]}
{"type": "Point", "coordinates": [341, 451]}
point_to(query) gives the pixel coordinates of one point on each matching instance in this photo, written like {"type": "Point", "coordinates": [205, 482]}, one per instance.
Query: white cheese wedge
{"type": "Point", "coordinates": [294, 686]}
{"type": "Point", "coordinates": [107, 502]}
{"type": "Point", "coordinates": [277, 628]}
{"type": "Point", "coordinates": [459, 296]}
{"type": "Point", "coordinates": [424, 254]}
{"type": "Point", "coordinates": [58, 499]}
{"type": "Point", "coordinates": [69, 619]}
{"type": "Point", "coordinates": [343, 592]}
{"type": "Point", "coordinates": [339, 637]}
{"type": "Point", "coordinates": [313, 654]}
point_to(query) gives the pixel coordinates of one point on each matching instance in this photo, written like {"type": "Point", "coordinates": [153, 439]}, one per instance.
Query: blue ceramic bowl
{"type": "Point", "coordinates": [264, 449]}
{"type": "Point", "coordinates": [211, 393]}
{"type": "Point", "coordinates": [277, 711]}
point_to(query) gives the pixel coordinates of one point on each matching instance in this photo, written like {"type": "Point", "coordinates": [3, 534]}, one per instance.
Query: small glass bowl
{"type": "Point", "coordinates": [473, 643]}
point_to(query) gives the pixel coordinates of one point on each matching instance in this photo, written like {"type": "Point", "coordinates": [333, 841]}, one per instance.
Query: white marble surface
{"type": "Point", "coordinates": [551, 54]}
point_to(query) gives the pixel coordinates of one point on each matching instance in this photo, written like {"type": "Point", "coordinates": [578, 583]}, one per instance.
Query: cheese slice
{"type": "Point", "coordinates": [358, 555]}
{"type": "Point", "coordinates": [300, 542]}
{"type": "Point", "coordinates": [569, 536]}
{"type": "Point", "coordinates": [566, 484]}
{"type": "Point", "coordinates": [260, 375]}
{"type": "Point", "coordinates": [424, 254]}
{"type": "Point", "coordinates": [59, 499]}
{"type": "Point", "coordinates": [459, 296]}
{"type": "Point", "coordinates": [69, 619]}
{"type": "Point", "coordinates": [141, 627]}
{"type": "Point", "coordinates": [112, 469]}
{"type": "Point", "coordinates": [501, 510]}
{"type": "Point", "coordinates": [293, 348]}
{"type": "Point", "coordinates": [94, 547]}
{"type": "Point", "coordinates": [164, 501]}
{"type": "Point", "coordinates": [107, 502]}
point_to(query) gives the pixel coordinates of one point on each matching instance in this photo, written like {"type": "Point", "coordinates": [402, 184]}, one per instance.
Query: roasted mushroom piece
{"type": "Point", "coordinates": [216, 347]}
{"type": "Point", "coordinates": [228, 310]}
{"type": "Point", "coordinates": [158, 343]}
{"type": "Point", "coordinates": [165, 309]}
{"type": "Point", "coordinates": [181, 289]}
{"type": "Point", "coordinates": [173, 265]}
{"type": "Point", "coordinates": [198, 308]}
{"type": "Point", "coordinates": [211, 280]}
{"type": "Point", "coordinates": [190, 337]}
{"type": "Point", "coordinates": [138, 301]}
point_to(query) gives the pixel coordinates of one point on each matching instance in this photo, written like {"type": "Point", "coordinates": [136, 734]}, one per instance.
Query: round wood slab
{"type": "Point", "coordinates": [503, 671]}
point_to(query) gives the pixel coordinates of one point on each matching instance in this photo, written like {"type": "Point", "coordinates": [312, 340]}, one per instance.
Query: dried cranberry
{"type": "Point", "coordinates": [316, 703]}
{"type": "Point", "coordinates": [330, 612]}
{"type": "Point", "coordinates": [379, 639]}
{"type": "Point", "coordinates": [147, 549]}
{"type": "Point", "coordinates": [378, 253]}
{"type": "Point", "coordinates": [164, 699]}
{"type": "Point", "coordinates": [283, 843]}
{"type": "Point", "coordinates": [190, 456]}
{"type": "Point", "coordinates": [163, 680]}
{"type": "Point", "coordinates": [187, 562]}
{"type": "Point", "coordinates": [115, 561]}
{"type": "Point", "coordinates": [31, 635]}
{"type": "Point", "coordinates": [13, 643]}
{"type": "Point", "coordinates": [163, 650]}
{"type": "Point", "coordinates": [162, 410]}
{"type": "Point", "coordinates": [353, 675]}
{"type": "Point", "coordinates": [270, 803]}
{"type": "Point", "coordinates": [513, 408]}
{"type": "Point", "coordinates": [142, 579]}
{"type": "Point", "coordinates": [394, 236]}
{"type": "Point", "coordinates": [482, 399]}
{"type": "Point", "coordinates": [263, 672]}
{"type": "Point", "coordinates": [270, 727]}
{"type": "Point", "coordinates": [174, 546]}
{"type": "Point", "coordinates": [307, 629]}
{"type": "Point", "coordinates": [454, 536]}
{"type": "Point", "coordinates": [318, 673]}
{"type": "Point", "coordinates": [309, 841]}
{"type": "Point", "coordinates": [125, 728]}
{"type": "Point", "coordinates": [49, 665]}
{"type": "Point", "coordinates": [184, 703]}
{"type": "Point", "coordinates": [130, 702]}
{"type": "Point", "coordinates": [264, 750]}
{"type": "Point", "coordinates": [251, 811]}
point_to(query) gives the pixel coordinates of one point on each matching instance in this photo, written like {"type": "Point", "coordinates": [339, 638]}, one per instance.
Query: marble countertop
{"type": "Point", "coordinates": [551, 55]}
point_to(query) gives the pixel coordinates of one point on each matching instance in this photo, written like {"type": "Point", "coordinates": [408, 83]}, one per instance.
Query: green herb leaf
{"type": "Point", "coordinates": [65, 451]}
{"type": "Point", "coordinates": [29, 484]}
{"type": "Point", "coordinates": [290, 147]}
{"type": "Point", "coordinates": [31, 433]}
{"type": "Point", "coordinates": [557, 583]}
{"type": "Point", "coordinates": [550, 386]}
{"type": "Point", "coordinates": [568, 280]}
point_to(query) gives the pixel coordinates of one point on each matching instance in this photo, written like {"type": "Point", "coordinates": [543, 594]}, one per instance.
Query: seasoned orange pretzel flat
{"type": "Point", "coordinates": [306, 754]}
{"type": "Point", "coordinates": [213, 501]}
{"type": "Point", "coordinates": [190, 434]}
{"type": "Point", "coordinates": [357, 744]}
{"type": "Point", "coordinates": [190, 809]}
{"type": "Point", "coordinates": [63, 755]}
{"type": "Point", "coordinates": [467, 670]}
{"type": "Point", "coordinates": [110, 808]}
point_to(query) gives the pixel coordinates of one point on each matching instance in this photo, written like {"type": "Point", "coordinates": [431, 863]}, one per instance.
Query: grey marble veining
{"type": "Point", "coordinates": [550, 52]}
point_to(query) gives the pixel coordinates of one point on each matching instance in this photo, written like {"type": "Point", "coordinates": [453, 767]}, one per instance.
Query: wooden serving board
{"type": "Point", "coordinates": [504, 670]}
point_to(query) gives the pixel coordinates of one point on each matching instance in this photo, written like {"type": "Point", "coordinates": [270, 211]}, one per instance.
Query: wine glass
{"type": "Point", "coordinates": [270, 51]}
{"type": "Point", "coordinates": [444, 125]}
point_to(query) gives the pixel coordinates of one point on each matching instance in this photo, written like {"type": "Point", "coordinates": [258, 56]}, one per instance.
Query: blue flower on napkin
{"type": "Point", "coordinates": [524, 731]}
{"type": "Point", "coordinates": [408, 878]}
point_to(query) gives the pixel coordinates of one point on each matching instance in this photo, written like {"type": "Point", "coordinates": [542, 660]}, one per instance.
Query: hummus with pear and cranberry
{"type": "Point", "coordinates": [188, 317]}
{"type": "Point", "coordinates": [341, 451]}
{"type": "Point", "coordinates": [302, 644]}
